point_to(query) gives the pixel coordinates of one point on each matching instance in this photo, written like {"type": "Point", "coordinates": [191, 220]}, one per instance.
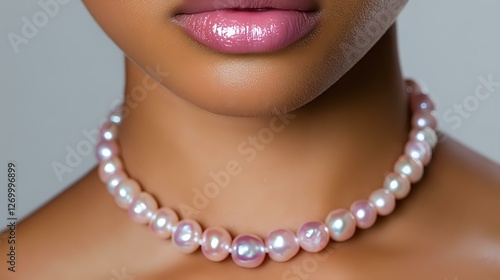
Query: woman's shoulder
{"type": "Point", "coordinates": [65, 239]}
{"type": "Point", "coordinates": [461, 191]}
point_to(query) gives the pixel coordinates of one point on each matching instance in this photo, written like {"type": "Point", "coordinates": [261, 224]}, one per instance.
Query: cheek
{"type": "Point", "coordinates": [352, 28]}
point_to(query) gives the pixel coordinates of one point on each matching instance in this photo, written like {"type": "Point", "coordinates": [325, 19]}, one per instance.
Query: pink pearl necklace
{"type": "Point", "coordinates": [281, 245]}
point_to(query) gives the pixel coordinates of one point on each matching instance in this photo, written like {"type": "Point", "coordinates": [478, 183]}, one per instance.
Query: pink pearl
{"type": "Point", "coordinates": [114, 180]}
{"type": "Point", "coordinates": [421, 102]}
{"type": "Point", "coordinates": [424, 119]}
{"type": "Point", "coordinates": [215, 244]}
{"type": "Point", "coordinates": [163, 222]}
{"type": "Point", "coordinates": [126, 191]}
{"type": "Point", "coordinates": [313, 236]}
{"type": "Point", "coordinates": [282, 245]}
{"type": "Point", "coordinates": [419, 150]}
{"type": "Point", "coordinates": [142, 208]}
{"type": "Point", "coordinates": [341, 224]}
{"type": "Point", "coordinates": [248, 251]}
{"type": "Point", "coordinates": [413, 169]}
{"type": "Point", "coordinates": [398, 185]}
{"type": "Point", "coordinates": [426, 134]}
{"type": "Point", "coordinates": [187, 235]}
{"type": "Point", "coordinates": [108, 132]}
{"type": "Point", "coordinates": [365, 213]}
{"type": "Point", "coordinates": [116, 116]}
{"type": "Point", "coordinates": [384, 201]}
{"type": "Point", "coordinates": [108, 168]}
{"type": "Point", "coordinates": [412, 87]}
{"type": "Point", "coordinates": [106, 150]}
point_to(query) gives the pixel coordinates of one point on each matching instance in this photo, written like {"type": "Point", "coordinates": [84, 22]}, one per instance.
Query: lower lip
{"type": "Point", "coordinates": [243, 32]}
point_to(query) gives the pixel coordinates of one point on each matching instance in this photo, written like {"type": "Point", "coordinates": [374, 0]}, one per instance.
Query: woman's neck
{"type": "Point", "coordinates": [257, 174]}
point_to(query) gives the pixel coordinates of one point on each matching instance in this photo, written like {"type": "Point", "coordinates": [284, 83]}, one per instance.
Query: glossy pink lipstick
{"type": "Point", "coordinates": [242, 27]}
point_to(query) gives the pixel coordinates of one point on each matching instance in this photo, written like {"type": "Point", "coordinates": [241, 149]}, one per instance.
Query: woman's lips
{"type": "Point", "coordinates": [248, 30]}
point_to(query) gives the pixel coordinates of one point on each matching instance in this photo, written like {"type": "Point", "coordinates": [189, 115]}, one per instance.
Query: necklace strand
{"type": "Point", "coordinates": [248, 250]}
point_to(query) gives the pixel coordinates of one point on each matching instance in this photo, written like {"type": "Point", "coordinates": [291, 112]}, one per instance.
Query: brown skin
{"type": "Point", "coordinates": [336, 150]}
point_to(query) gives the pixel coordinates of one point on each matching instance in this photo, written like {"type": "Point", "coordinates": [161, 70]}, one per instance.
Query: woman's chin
{"type": "Point", "coordinates": [247, 104]}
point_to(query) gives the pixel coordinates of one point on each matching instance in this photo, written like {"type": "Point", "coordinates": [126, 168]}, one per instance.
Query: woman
{"type": "Point", "coordinates": [262, 115]}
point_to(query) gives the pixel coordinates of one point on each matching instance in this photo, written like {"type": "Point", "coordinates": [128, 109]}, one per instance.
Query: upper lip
{"type": "Point", "coordinates": [200, 6]}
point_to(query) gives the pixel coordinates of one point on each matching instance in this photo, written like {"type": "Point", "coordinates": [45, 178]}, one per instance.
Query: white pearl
{"type": "Point", "coordinates": [398, 185]}
{"type": "Point", "coordinates": [142, 208]}
{"type": "Point", "coordinates": [126, 191]}
{"type": "Point", "coordinates": [163, 222]}
{"type": "Point", "coordinates": [411, 168]}
{"type": "Point", "coordinates": [426, 134]}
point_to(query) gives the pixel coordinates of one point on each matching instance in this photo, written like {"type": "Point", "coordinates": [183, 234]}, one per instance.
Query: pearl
{"type": "Point", "coordinates": [215, 244]}
{"type": "Point", "coordinates": [106, 150]}
{"type": "Point", "coordinates": [419, 150]}
{"type": "Point", "coordinates": [116, 116]}
{"type": "Point", "coordinates": [412, 87]}
{"type": "Point", "coordinates": [248, 251]}
{"type": "Point", "coordinates": [114, 180]}
{"type": "Point", "coordinates": [109, 131]}
{"type": "Point", "coordinates": [126, 191]}
{"type": "Point", "coordinates": [365, 213]}
{"type": "Point", "coordinates": [398, 185]}
{"type": "Point", "coordinates": [413, 169]}
{"type": "Point", "coordinates": [384, 201]}
{"type": "Point", "coordinates": [142, 208]}
{"type": "Point", "coordinates": [282, 245]}
{"type": "Point", "coordinates": [313, 236]}
{"type": "Point", "coordinates": [163, 222]}
{"type": "Point", "coordinates": [187, 235]}
{"type": "Point", "coordinates": [426, 134]}
{"type": "Point", "coordinates": [421, 102]}
{"type": "Point", "coordinates": [108, 168]}
{"type": "Point", "coordinates": [341, 224]}
{"type": "Point", "coordinates": [424, 119]}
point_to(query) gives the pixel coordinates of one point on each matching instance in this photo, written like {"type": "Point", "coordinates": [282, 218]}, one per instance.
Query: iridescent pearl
{"type": "Point", "coordinates": [421, 102]}
{"type": "Point", "coordinates": [248, 251]}
{"type": "Point", "coordinates": [398, 185]}
{"type": "Point", "coordinates": [313, 236]}
{"type": "Point", "coordinates": [424, 119]}
{"type": "Point", "coordinates": [114, 180]}
{"type": "Point", "coordinates": [426, 134]}
{"type": "Point", "coordinates": [109, 131]}
{"type": "Point", "coordinates": [116, 116]}
{"type": "Point", "coordinates": [126, 191]}
{"type": "Point", "coordinates": [412, 87]}
{"type": "Point", "coordinates": [163, 222]}
{"type": "Point", "coordinates": [413, 169]}
{"type": "Point", "coordinates": [106, 150]}
{"type": "Point", "coordinates": [215, 244]}
{"type": "Point", "coordinates": [142, 208]}
{"type": "Point", "coordinates": [365, 213]}
{"type": "Point", "coordinates": [384, 201]}
{"type": "Point", "coordinates": [341, 224]}
{"type": "Point", "coordinates": [108, 168]}
{"type": "Point", "coordinates": [419, 150]}
{"type": "Point", "coordinates": [187, 234]}
{"type": "Point", "coordinates": [282, 245]}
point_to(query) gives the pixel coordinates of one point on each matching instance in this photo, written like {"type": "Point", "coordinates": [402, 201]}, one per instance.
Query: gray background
{"type": "Point", "coordinates": [65, 79]}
